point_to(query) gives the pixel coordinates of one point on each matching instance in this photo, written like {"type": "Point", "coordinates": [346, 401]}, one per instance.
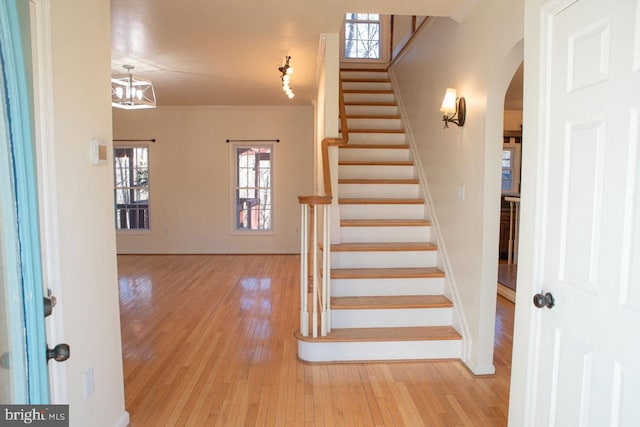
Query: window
{"type": "Point", "coordinates": [131, 176]}
{"type": "Point", "coordinates": [362, 36]}
{"type": "Point", "coordinates": [507, 170]}
{"type": "Point", "coordinates": [253, 188]}
{"type": "Point", "coordinates": [511, 168]}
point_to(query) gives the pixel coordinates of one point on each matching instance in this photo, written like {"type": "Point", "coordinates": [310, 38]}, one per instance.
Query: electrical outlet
{"type": "Point", "coordinates": [88, 383]}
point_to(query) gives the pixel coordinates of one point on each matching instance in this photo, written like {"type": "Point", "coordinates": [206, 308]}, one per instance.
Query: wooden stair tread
{"type": "Point", "coordinates": [413, 333]}
{"type": "Point", "coordinates": [359, 201]}
{"type": "Point", "coordinates": [386, 273]}
{"type": "Point", "coordinates": [383, 247]}
{"type": "Point", "coordinates": [390, 302]}
{"type": "Point", "coordinates": [385, 223]}
{"type": "Point", "coordinates": [375, 146]}
{"type": "Point", "coordinates": [362, 80]}
{"type": "Point", "coordinates": [375, 163]}
{"type": "Point", "coordinates": [376, 130]}
{"type": "Point", "coordinates": [378, 181]}
{"type": "Point", "coordinates": [373, 103]}
{"type": "Point", "coordinates": [365, 70]}
{"type": "Point", "coordinates": [372, 91]}
{"type": "Point", "coordinates": [374, 116]}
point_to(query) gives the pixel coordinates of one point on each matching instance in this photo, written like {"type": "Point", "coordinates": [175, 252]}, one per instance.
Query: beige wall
{"type": "Point", "coordinates": [475, 56]}
{"type": "Point", "coordinates": [79, 233]}
{"type": "Point", "coordinates": [513, 120]}
{"type": "Point", "coordinates": [190, 176]}
{"type": "Point", "coordinates": [401, 32]}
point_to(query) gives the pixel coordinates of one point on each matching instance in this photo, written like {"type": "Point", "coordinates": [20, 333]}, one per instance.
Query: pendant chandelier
{"type": "Point", "coordinates": [130, 92]}
{"type": "Point", "coordinates": [285, 76]}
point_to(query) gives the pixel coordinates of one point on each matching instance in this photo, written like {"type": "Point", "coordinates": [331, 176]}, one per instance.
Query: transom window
{"type": "Point", "coordinates": [131, 176]}
{"type": "Point", "coordinates": [362, 36]}
{"type": "Point", "coordinates": [253, 191]}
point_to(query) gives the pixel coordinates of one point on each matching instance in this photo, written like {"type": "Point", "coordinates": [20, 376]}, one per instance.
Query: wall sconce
{"type": "Point", "coordinates": [286, 70]}
{"type": "Point", "coordinates": [454, 108]}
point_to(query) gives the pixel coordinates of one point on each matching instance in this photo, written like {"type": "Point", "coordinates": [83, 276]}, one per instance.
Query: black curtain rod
{"type": "Point", "coordinates": [252, 140]}
{"type": "Point", "coordinates": [135, 140]}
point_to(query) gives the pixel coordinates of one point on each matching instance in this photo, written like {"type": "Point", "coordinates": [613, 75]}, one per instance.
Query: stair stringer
{"type": "Point", "coordinates": [459, 321]}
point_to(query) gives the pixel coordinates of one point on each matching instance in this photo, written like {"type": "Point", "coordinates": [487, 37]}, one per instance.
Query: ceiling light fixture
{"type": "Point", "coordinates": [132, 93]}
{"type": "Point", "coordinates": [454, 108]}
{"type": "Point", "coordinates": [286, 70]}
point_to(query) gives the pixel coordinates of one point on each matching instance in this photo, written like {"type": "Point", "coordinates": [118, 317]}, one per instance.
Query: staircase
{"type": "Point", "coordinates": [387, 299]}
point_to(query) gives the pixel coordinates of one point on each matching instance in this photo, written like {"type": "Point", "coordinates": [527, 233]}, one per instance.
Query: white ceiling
{"type": "Point", "coordinates": [214, 52]}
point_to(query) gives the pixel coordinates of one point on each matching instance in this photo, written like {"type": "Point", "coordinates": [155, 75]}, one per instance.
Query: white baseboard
{"type": "Point", "coordinates": [488, 369]}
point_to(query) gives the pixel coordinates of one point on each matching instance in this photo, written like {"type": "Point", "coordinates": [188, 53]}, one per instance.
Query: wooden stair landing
{"type": "Point", "coordinates": [390, 302]}
{"type": "Point", "coordinates": [415, 333]}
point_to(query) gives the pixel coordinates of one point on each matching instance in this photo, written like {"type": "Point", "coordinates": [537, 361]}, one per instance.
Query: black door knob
{"type": "Point", "coordinates": [546, 300]}
{"type": "Point", "coordinates": [59, 353]}
{"type": "Point", "coordinates": [49, 303]}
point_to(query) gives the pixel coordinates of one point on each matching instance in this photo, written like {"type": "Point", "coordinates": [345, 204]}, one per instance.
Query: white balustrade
{"type": "Point", "coordinates": [314, 282]}
{"type": "Point", "coordinates": [514, 225]}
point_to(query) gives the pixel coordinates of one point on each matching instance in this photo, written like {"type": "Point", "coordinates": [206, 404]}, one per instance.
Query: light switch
{"type": "Point", "coordinates": [461, 191]}
{"type": "Point", "coordinates": [98, 152]}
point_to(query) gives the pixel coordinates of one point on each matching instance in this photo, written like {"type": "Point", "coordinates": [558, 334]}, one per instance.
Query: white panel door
{"type": "Point", "coordinates": [588, 361]}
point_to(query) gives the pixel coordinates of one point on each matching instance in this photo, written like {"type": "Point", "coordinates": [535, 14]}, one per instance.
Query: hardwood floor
{"type": "Point", "coordinates": [208, 341]}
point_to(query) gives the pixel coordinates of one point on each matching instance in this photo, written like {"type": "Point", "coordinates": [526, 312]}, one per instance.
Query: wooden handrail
{"type": "Point", "coordinates": [326, 172]}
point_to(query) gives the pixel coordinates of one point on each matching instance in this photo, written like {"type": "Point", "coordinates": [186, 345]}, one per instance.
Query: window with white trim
{"type": "Point", "coordinates": [362, 36]}
{"type": "Point", "coordinates": [511, 168]}
{"type": "Point", "coordinates": [131, 187]}
{"type": "Point", "coordinates": [253, 187]}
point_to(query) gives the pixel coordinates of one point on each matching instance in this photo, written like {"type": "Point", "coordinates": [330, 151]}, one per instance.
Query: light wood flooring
{"type": "Point", "coordinates": [208, 341]}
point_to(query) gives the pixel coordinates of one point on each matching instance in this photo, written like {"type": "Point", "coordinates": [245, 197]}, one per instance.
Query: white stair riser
{"type": "Point", "coordinates": [346, 74]}
{"type": "Point", "coordinates": [385, 234]}
{"type": "Point", "coordinates": [376, 154]}
{"type": "Point", "coordinates": [371, 109]}
{"type": "Point", "coordinates": [390, 318]}
{"type": "Point", "coordinates": [368, 97]}
{"type": "Point", "coordinates": [376, 172]}
{"type": "Point", "coordinates": [382, 211]}
{"type": "Point", "coordinates": [373, 123]}
{"type": "Point", "coordinates": [402, 191]}
{"type": "Point", "coordinates": [366, 85]}
{"type": "Point", "coordinates": [387, 287]}
{"type": "Point", "coordinates": [376, 138]}
{"type": "Point", "coordinates": [379, 350]}
{"type": "Point", "coordinates": [383, 259]}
